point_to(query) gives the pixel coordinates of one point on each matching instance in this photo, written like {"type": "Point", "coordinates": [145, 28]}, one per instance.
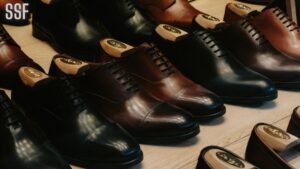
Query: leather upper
{"type": "Point", "coordinates": [160, 78]}
{"type": "Point", "coordinates": [255, 52]}
{"type": "Point", "coordinates": [179, 13]}
{"type": "Point", "coordinates": [23, 146]}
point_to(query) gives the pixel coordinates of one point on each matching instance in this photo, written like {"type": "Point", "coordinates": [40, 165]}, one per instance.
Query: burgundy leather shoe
{"type": "Point", "coordinates": [294, 125]}
{"type": "Point", "coordinates": [16, 22]}
{"type": "Point", "coordinates": [120, 98]}
{"type": "Point", "coordinates": [11, 59]}
{"type": "Point", "coordinates": [270, 147]}
{"type": "Point", "coordinates": [158, 76]}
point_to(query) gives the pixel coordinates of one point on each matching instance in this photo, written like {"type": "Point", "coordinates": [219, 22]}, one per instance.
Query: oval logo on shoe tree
{"type": "Point", "coordinates": [230, 159]}
{"type": "Point", "coordinates": [71, 61]}
{"type": "Point", "coordinates": [116, 44]}
{"type": "Point", "coordinates": [276, 132]}
{"type": "Point", "coordinates": [32, 72]}
{"type": "Point", "coordinates": [172, 29]}
{"type": "Point", "coordinates": [211, 18]}
{"type": "Point", "coordinates": [243, 7]}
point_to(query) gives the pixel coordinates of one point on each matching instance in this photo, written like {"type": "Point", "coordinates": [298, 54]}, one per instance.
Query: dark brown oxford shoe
{"type": "Point", "coordinates": [270, 147]}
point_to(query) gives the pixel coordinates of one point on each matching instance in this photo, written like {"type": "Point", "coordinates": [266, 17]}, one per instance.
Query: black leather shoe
{"type": "Point", "coordinates": [23, 146]}
{"type": "Point", "coordinates": [294, 124]}
{"type": "Point", "coordinates": [120, 98]}
{"type": "Point", "coordinates": [203, 59]}
{"type": "Point", "coordinates": [213, 157]}
{"type": "Point", "coordinates": [80, 133]}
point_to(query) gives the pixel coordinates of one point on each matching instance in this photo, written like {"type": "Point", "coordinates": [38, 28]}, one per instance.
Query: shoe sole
{"type": "Point", "coordinates": [249, 100]}
{"type": "Point", "coordinates": [288, 85]}
{"type": "Point", "coordinates": [169, 139]}
{"type": "Point", "coordinates": [111, 165]}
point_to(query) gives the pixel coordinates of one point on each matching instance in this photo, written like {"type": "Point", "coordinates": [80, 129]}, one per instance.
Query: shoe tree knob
{"type": "Point", "coordinates": [31, 76]}
{"type": "Point", "coordinates": [116, 48]}
{"type": "Point", "coordinates": [276, 138]}
{"type": "Point", "coordinates": [70, 66]}
{"type": "Point", "coordinates": [221, 159]}
{"type": "Point", "coordinates": [169, 32]}
{"type": "Point", "coordinates": [207, 21]}
{"type": "Point", "coordinates": [240, 9]}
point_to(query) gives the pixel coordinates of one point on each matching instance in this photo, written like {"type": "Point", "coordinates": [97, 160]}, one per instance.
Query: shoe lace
{"type": "Point", "coordinates": [160, 60]}
{"type": "Point", "coordinates": [287, 21]}
{"type": "Point", "coordinates": [122, 76]}
{"type": "Point", "coordinates": [212, 43]}
{"type": "Point", "coordinates": [8, 111]}
{"type": "Point", "coordinates": [255, 34]}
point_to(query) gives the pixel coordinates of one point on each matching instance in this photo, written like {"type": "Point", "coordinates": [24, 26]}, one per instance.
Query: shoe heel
{"type": "Point", "coordinates": [38, 33]}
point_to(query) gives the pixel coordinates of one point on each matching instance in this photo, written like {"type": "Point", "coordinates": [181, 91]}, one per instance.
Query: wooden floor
{"type": "Point", "coordinates": [231, 132]}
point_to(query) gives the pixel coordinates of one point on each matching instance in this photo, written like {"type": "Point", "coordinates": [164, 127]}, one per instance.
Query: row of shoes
{"type": "Point", "coordinates": [269, 147]}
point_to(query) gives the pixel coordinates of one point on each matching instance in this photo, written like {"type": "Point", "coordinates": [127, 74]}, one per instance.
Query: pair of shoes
{"type": "Point", "coordinates": [75, 126]}
{"type": "Point", "coordinates": [23, 145]}
{"type": "Point", "coordinates": [136, 29]}
{"type": "Point", "coordinates": [14, 21]}
{"type": "Point", "coordinates": [269, 147]}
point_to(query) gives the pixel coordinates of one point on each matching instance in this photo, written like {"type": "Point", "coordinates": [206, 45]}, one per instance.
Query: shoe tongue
{"type": "Point", "coordinates": [240, 9]}
{"type": "Point", "coordinates": [116, 48]}
{"type": "Point", "coordinates": [169, 32]}
{"type": "Point", "coordinates": [32, 77]}
{"type": "Point", "coordinates": [276, 138]}
{"type": "Point", "coordinates": [69, 65]}
{"type": "Point", "coordinates": [207, 21]}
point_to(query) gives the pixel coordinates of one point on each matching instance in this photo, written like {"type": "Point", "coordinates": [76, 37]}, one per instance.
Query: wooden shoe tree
{"type": "Point", "coordinates": [71, 66]}
{"type": "Point", "coordinates": [240, 9]}
{"type": "Point", "coordinates": [219, 159]}
{"type": "Point", "coordinates": [207, 21]}
{"type": "Point", "coordinates": [169, 32]}
{"type": "Point", "coordinates": [285, 144]}
{"type": "Point", "coordinates": [31, 77]}
{"type": "Point", "coordinates": [116, 48]}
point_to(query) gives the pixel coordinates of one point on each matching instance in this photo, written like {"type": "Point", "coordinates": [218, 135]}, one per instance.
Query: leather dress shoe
{"type": "Point", "coordinates": [160, 78]}
{"type": "Point", "coordinates": [213, 157]}
{"type": "Point", "coordinates": [23, 146]}
{"type": "Point", "coordinates": [80, 132]}
{"type": "Point", "coordinates": [11, 59]}
{"type": "Point", "coordinates": [207, 63]}
{"type": "Point", "coordinates": [272, 148]}
{"type": "Point", "coordinates": [16, 22]}
{"type": "Point", "coordinates": [255, 52]}
{"type": "Point", "coordinates": [294, 125]}
{"type": "Point", "coordinates": [179, 13]}
{"type": "Point", "coordinates": [290, 7]}
{"type": "Point", "coordinates": [274, 24]}
{"type": "Point", "coordinates": [120, 98]}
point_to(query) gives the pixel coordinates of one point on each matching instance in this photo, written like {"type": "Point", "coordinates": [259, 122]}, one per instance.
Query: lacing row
{"type": "Point", "coordinates": [160, 60]}
{"type": "Point", "coordinates": [287, 21]}
{"type": "Point", "coordinates": [123, 77]}
{"type": "Point", "coordinates": [255, 34]}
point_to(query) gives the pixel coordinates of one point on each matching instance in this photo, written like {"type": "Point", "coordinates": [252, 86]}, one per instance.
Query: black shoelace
{"type": "Point", "coordinates": [255, 34]}
{"type": "Point", "coordinates": [160, 60]}
{"type": "Point", "coordinates": [212, 43]}
{"type": "Point", "coordinates": [287, 21]}
{"type": "Point", "coordinates": [122, 76]}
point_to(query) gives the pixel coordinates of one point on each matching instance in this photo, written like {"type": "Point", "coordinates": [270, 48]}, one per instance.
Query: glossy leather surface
{"type": "Point", "coordinates": [11, 59]}
{"type": "Point", "coordinates": [80, 133]}
{"type": "Point", "coordinates": [202, 59]}
{"type": "Point", "coordinates": [294, 124]}
{"type": "Point", "coordinates": [179, 13]}
{"type": "Point", "coordinates": [255, 52]}
{"type": "Point", "coordinates": [262, 155]}
{"type": "Point", "coordinates": [160, 78]}
{"type": "Point", "coordinates": [17, 22]}
{"type": "Point", "coordinates": [23, 146]}
{"type": "Point", "coordinates": [120, 98]}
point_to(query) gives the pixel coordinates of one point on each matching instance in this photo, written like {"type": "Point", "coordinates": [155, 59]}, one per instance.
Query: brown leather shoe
{"type": "Point", "coordinates": [15, 22]}
{"type": "Point", "coordinates": [11, 59]}
{"type": "Point", "coordinates": [120, 98]}
{"type": "Point", "coordinates": [179, 13]}
{"type": "Point", "coordinates": [294, 125]}
{"type": "Point", "coordinates": [160, 78]}
{"type": "Point", "coordinates": [275, 25]}
{"type": "Point", "coordinates": [272, 148]}
{"type": "Point", "coordinates": [213, 157]}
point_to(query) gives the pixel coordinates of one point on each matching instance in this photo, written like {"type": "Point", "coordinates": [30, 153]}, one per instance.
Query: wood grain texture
{"type": "Point", "coordinates": [232, 131]}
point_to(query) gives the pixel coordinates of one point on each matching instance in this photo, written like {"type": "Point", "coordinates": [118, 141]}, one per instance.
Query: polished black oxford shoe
{"type": "Point", "coordinates": [23, 146]}
{"type": "Point", "coordinates": [80, 133]}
